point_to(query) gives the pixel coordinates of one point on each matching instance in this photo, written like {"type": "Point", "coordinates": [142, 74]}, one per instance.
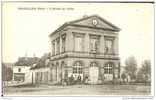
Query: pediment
{"type": "Point", "coordinates": [95, 21]}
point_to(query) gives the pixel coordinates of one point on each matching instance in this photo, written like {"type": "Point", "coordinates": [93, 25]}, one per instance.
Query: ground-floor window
{"type": "Point", "coordinates": [77, 75]}
{"type": "Point", "coordinates": [108, 68]}
{"type": "Point", "coordinates": [77, 68]}
{"type": "Point", "coordinates": [19, 76]}
{"type": "Point", "coordinates": [108, 71]}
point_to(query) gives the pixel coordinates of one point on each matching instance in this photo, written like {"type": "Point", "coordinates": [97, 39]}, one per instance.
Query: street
{"type": "Point", "coordinates": [77, 90]}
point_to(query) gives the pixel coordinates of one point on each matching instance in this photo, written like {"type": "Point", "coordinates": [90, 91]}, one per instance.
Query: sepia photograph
{"type": "Point", "coordinates": [77, 49]}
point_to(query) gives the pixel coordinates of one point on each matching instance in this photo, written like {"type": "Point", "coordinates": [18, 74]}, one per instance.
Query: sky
{"type": "Point", "coordinates": [26, 26]}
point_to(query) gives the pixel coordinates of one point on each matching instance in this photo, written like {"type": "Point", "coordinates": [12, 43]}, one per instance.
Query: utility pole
{"type": "Point", "coordinates": [32, 78]}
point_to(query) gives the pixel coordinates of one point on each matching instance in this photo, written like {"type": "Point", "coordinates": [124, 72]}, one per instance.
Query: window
{"type": "Point", "coordinates": [77, 69]}
{"type": "Point", "coordinates": [93, 64]}
{"type": "Point", "coordinates": [78, 43]}
{"type": "Point", "coordinates": [57, 70]}
{"type": "Point", "coordinates": [108, 69]}
{"type": "Point", "coordinates": [109, 46]}
{"type": "Point", "coordinates": [94, 45]}
{"type": "Point", "coordinates": [63, 43]}
{"type": "Point", "coordinates": [58, 45]}
{"type": "Point", "coordinates": [19, 69]}
{"type": "Point", "coordinates": [53, 48]}
{"type": "Point", "coordinates": [19, 76]}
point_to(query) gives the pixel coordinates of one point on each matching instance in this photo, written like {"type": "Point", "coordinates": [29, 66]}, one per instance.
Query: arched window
{"type": "Point", "coordinates": [108, 68]}
{"type": "Point", "coordinates": [93, 64]}
{"type": "Point", "coordinates": [77, 68]}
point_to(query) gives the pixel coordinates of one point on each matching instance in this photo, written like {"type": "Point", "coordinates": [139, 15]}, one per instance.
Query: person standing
{"type": "Point", "coordinates": [79, 79]}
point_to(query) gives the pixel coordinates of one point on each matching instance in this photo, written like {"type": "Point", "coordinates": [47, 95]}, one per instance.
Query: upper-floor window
{"type": "Point", "coordinates": [109, 46]}
{"type": "Point", "coordinates": [19, 69]}
{"type": "Point", "coordinates": [78, 41]}
{"type": "Point", "coordinates": [53, 47]}
{"type": "Point", "coordinates": [94, 44]}
{"type": "Point", "coordinates": [63, 43]}
{"type": "Point", "coordinates": [58, 45]}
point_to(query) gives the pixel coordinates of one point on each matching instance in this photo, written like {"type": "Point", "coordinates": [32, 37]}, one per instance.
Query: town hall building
{"type": "Point", "coordinates": [86, 48]}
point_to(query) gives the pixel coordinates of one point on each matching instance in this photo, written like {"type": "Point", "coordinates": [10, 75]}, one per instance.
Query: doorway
{"type": "Point", "coordinates": [93, 73]}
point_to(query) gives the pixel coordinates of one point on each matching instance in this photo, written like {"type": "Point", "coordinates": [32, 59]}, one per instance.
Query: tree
{"type": "Point", "coordinates": [43, 62]}
{"type": "Point", "coordinates": [7, 73]}
{"type": "Point", "coordinates": [123, 76]}
{"type": "Point", "coordinates": [140, 77]}
{"type": "Point", "coordinates": [144, 73]}
{"type": "Point", "coordinates": [26, 61]}
{"type": "Point", "coordinates": [131, 67]}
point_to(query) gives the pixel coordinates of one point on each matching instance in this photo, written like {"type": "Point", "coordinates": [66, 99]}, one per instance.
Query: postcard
{"type": "Point", "coordinates": [77, 49]}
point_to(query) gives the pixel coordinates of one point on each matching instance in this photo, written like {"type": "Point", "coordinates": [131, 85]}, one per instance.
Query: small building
{"type": "Point", "coordinates": [41, 71]}
{"type": "Point", "coordinates": [21, 70]}
{"type": "Point", "coordinates": [22, 74]}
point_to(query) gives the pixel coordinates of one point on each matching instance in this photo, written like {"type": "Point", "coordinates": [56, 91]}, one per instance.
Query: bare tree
{"type": "Point", "coordinates": [131, 67]}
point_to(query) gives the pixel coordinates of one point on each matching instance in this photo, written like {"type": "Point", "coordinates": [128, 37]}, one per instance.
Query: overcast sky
{"type": "Point", "coordinates": [26, 30]}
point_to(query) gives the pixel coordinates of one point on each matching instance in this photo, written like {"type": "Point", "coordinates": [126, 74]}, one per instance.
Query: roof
{"type": "Point", "coordinates": [87, 22]}
{"type": "Point", "coordinates": [42, 62]}
{"type": "Point", "coordinates": [26, 61]}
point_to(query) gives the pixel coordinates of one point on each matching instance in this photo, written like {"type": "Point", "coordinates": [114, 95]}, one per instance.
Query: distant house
{"type": "Point", "coordinates": [21, 69]}
{"type": "Point", "coordinates": [40, 72]}
{"type": "Point", "coordinates": [22, 74]}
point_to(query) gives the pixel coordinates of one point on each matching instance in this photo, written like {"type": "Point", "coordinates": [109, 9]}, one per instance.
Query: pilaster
{"type": "Point", "coordinates": [102, 44]}
{"type": "Point", "coordinates": [86, 43]}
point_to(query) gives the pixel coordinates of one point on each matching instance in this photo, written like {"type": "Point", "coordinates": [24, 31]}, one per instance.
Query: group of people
{"type": "Point", "coordinates": [74, 80]}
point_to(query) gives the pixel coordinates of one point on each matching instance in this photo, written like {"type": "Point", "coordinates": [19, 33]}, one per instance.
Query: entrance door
{"type": "Point", "coordinates": [94, 72]}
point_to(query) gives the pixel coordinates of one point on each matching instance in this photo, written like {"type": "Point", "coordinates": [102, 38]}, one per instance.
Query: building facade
{"type": "Point", "coordinates": [41, 73]}
{"type": "Point", "coordinates": [22, 75]}
{"type": "Point", "coordinates": [85, 48]}
{"type": "Point", "coordinates": [21, 70]}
